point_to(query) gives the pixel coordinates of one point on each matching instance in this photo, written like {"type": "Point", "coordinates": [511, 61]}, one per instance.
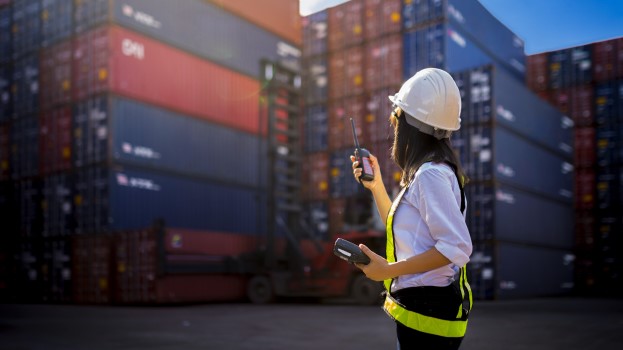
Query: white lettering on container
{"type": "Point", "coordinates": [505, 170]}
{"type": "Point", "coordinates": [457, 38]}
{"type": "Point", "coordinates": [504, 197]}
{"type": "Point", "coordinates": [132, 48]}
{"type": "Point", "coordinates": [139, 151]}
{"type": "Point", "coordinates": [141, 17]}
{"type": "Point", "coordinates": [458, 16]}
{"type": "Point", "coordinates": [505, 113]}
{"type": "Point", "coordinates": [137, 182]}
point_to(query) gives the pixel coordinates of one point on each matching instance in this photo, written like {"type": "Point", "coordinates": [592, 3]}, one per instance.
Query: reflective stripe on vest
{"type": "Point", "coordinates": [414, 320]}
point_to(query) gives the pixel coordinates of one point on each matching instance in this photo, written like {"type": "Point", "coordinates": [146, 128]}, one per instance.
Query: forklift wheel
{"type": "Point", "coordinates": [366, 291]}
{"type": "Point", "coordinates": [260, 290]}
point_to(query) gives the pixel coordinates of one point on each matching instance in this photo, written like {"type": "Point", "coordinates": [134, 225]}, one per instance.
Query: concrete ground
{"type": "Point", "coordinates": [563, 323]}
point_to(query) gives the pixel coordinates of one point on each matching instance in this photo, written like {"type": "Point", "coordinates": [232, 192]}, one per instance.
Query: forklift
{"type": "Point", "coordinates": [292, 260]}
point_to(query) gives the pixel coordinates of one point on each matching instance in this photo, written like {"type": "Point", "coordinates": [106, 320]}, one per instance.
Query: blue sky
{"type": "Point", "coordinates": [544, 25]}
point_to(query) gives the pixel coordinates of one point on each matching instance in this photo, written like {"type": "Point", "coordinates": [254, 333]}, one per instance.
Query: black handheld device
{"type": "Point", "coordinates": [350, 252]}
{"type": "Point", "coordinates": [362, 155]}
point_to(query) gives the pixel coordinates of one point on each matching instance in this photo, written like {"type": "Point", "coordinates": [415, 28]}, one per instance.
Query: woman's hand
{"type": "Point", "coordinates": [378, 269]}
{"type": "Point", "coordinates": [375, 167]}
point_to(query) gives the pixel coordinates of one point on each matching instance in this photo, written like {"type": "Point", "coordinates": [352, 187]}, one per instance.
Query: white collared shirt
{"type": "Point", "coordinates": [429, 215]}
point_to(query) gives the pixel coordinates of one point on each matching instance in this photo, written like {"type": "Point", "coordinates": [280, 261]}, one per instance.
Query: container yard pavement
{"type": "Point", "coordinates": [557, 323]}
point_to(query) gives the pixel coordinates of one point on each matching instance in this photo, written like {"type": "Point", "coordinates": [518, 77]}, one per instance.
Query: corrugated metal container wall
{"type": "Point", "coordinates": [608, 97]}
{"type": "Point", "coordinates": [318, 218]}
{"type": "Point", "coordinates": [6, 44]}
{"type": "Point", "coordinates": [25, 147]}
{"type": "Point", "coordinates": [26, 27]}
{"type": "Point", "coordinates": [346, 72]}
{"type": "Point", "coordinates": [121, 199]}
{"type": "Point", "coordinates": [133, 65]}
{"type": "Point", "coordinates": [490, 93]}
{"type": "Point", "coordinates": [463, 53]}
{"type": "Point", "coordinates": [342, 183]}
{"type": "Point", "coordinates": [608, 60]}
{"type": "Point", "coordinates": [381, 17]}
{"type": "Point", "coordinates": [345, 25]}
{"type": "Point", "coordinates": [378, 110]}
{"type": "Point", "coordinates": [92, 269]}
{"type": "Point", "coordinates": [5, 152]}
{"type": "Point", "coordinates": [581, 65]}
{"type": "Point", "coordinates": [56, 21]}
{"type": "Point", "coordinates": [559, 69]}
{"type": "Point", "coordinates": [584, 190]}
{"type": "Point", "coordinates": [235, 42]}
{"type": "Point", "coordinates": [499, 212]}
{"type": "Point", "coordinates": [581, 105]}
{"type": "Point", "coordinates": [585, 147]}
{"type": "Point", "coordinates": [608, 145]}
{"type": "Point", "coordinates": [316, 128]}
{"type": "Point", "coordinates": [28, 197]}
{"type": "Point", "coordinates": [495, 273]}
{"type": "Point", "coordinates": [340, 130]}
{"type": "Point", "coordinates": [497, 154]}
{"type": "Point", "coordinates": [609, 190]}
{"type": "Point", "coordinates": [424, 48]}
{"type": "Point", "coordinates": [179, 241]}
{"type": "Point", "coordinates": [471, 21]}
{"type": "Point", "coordinates": [55, 129]}
{"type": "Point", "coordinates": [278, 16]}
{"type": "Point", "coordinates": [315, 29]}
{"type": "Point", "coordinates": [56, 270]}
{"type": "Point", "coordinates": [383, 62]}
{"type": "Point", "coordinates": [536, 77]}
{"type": "Point", "coordinates": [57, 205]}
{"type": "Point", "coordinates": [316, 176]}
{"type": "Point", "coordinates": [28, 279]}
{"type": "Point", "coordinates": [25, 87]}
{"type": "Point", "coordinates": [6, 101]}
{"type": "Point", "coordinates": [316, 80]}
{"type": "Point", "coordinates": [55, 75]}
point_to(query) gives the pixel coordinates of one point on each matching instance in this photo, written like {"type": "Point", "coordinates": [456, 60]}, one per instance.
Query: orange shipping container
{"type": "Point", "coordinates": [346, 73]}
{"type": "Point", "coordinates": [382, 17]}
{"type": "Point", "coordinates": [281, 17]}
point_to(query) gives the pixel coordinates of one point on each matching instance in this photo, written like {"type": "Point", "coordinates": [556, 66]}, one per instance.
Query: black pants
{"type": "Point", "coordinates": [438, 302]}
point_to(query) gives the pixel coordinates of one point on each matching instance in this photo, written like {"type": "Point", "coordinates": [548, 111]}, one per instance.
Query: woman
{"type": "Point", "coordinates": [428, 243]}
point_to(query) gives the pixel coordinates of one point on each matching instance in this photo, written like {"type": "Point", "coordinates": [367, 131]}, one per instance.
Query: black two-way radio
{"type": "Point", "coordinates": [362, 155]}
{"type": "Point", "coordinates": [350, 252]}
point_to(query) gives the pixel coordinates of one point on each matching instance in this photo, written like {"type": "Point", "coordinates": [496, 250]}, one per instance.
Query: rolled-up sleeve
{"type": "Point", "coordinates": [442, 214]}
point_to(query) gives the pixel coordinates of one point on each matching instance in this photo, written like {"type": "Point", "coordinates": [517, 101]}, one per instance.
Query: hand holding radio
{"type": "Point", "coordinates": [362, 158]}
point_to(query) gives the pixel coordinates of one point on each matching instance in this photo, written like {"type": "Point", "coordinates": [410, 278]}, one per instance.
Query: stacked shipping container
{"type": "Point", "coordinates": [118, 114]}
{"type": "Point", "coordinates": [371, 48]}
{"type": "Point", "coordinates": [585, 82]}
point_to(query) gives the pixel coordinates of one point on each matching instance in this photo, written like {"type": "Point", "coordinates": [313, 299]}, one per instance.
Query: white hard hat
{"type": "Point", "coordinates": [432, 102]}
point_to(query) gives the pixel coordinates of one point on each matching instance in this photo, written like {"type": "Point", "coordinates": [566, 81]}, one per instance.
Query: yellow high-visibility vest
{"type": "Point", "coordinates": [414, 320]}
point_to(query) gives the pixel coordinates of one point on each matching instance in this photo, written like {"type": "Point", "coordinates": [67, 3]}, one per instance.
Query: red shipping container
{"type": "Point", "coordinates": [340, 133]}
{"type": "Point", "coordinates": [281, 17]}
{"type": "Point", "coordinates": [5, 152]}
{"type": "Point", "coordinates": [316, 176]}
{"type": "Point", "coordinates": [585, 151]}
{"type": "Point", "coordinates": [199, 288]}
{"type": "Point", "coordinates": [55, 140]}
{"type": "Point", "coordinates": [585, 226]}
{"type": "Point", "coordinates": [382, 17]}
{"type": "Point", "coordinates": [536, 77]}
{"type": "Point", "coordinates": [378, 111]}
{"type": "Point", "coordinates": [580, 107]}
{"type": "Point", "coordinates": [389, 169]}
{"type": "Point", "coordinates": [561, 99]}
{"type": "Point", "coordinates": [115, 59]}
{"type": "Point", "coordinates": [608, 60]}
{"type": "Point", "coordinates": [346, 73]}
{"type": "Point", "coordinates": [337, 207]}
{"type": "Point", "coordinates": [55, 75]}
{"type": "Point", "coordinates": [383, 62]}
{"type": "Point", "coordinates": [585, 189]}
{"type": "Point", "coordinates": [345, 25]}
{"type": "Point", "coordinates": [183, 241]}
{"type": "Point", "coordinates": [92, 269]}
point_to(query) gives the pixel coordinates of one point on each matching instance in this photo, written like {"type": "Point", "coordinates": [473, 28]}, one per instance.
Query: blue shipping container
{"type": "Point", "coordinates": [495, 273]}
{"type": "Point", "coordinates": [609, 144]}
{"type": "Point", "coordinates": [128, 198]}
{"type": "Point", "coordinates": [25, 147]}
{"type": "Point", "coordinates": [56, 21]}
{"type": "Point", "coordinates": [26, 27]}
{"type": "Point", "coordinates": [56, 275]}
{"type": "Point", "coordinates": [124, 131]}
{"type": "Point", "coordinates": [315, 30]}
{"type": "Point", "coordinates": [25, 85]}
{"type": "Point", "coordinates": [341, 182]}
{"type": "Point", "coordinates": [496, 154]}
{"type": "Point", "coordinates": [6, 44]}
{"type": "Point", "coordinates": [609, 103]}
{"type": "Point", "coordinates": [198, 27]}
{"type": "Point", "coordinates": [6, 103]}
{"type": "Point", "coordinates": [316, 213]}
{"type": "Point", "coordinates": [489, 93]}
{"type": "Point", "coordinates": [28, 197]}
{"type": "Point", "coordinates": [609, 191]}
{"type": "Point", "coordinates": [316, 128]}
{"type": "Point", "coordinates": [497, 212]}
{"type": "Point", "coordinates": [471, 23]}
{"type": "Point", "coordinates": [424, 48]}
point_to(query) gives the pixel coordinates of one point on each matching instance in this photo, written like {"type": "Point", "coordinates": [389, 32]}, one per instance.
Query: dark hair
{"type": "Point", "coordinates": [412, 148]}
